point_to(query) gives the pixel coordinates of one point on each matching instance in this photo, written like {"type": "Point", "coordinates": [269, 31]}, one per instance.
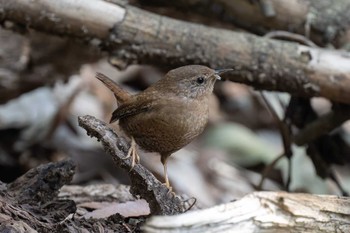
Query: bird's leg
{"type": "Point", "coordinates": [133, 154]}
{"type": "Point", "coordinates": [167, 183]}
{"type": "Point", "coordinates": [164, 159]}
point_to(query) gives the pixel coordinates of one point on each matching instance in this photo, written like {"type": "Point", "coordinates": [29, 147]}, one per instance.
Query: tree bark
{"type": "Point", "coordinates": [323, 21]}
{"type": "Point", "coordinates": [263, 212]}
{"type": "Point", "coordinates": [30, 203]}
{"type": "Point", "coordinates": [137, 36]}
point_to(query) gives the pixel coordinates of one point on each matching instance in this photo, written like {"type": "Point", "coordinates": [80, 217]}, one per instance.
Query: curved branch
{"type": "Point", "coordinates": [323, 125]}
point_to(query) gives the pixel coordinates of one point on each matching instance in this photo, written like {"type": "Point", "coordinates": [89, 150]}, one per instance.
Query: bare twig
{"type": "Point", "coordinates": [291, 37]}
{"type": "Point", "coordinates": [286, 139]}
{"type": "Point", "coordinates": [267, 170]}
{"type": "Point", "coordinates": [323, 148]}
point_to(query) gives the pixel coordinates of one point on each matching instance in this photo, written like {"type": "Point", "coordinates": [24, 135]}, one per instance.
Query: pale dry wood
{"type": "Point", "coordinates": [139, 36]}
{"type": "Point", "coordinates": [89, 18]}
{"type": "Point", "coordinates": [263, 212]}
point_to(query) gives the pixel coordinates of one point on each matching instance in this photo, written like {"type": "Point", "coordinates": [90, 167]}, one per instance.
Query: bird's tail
{"type": "Point", "coordinates": [120, 94]}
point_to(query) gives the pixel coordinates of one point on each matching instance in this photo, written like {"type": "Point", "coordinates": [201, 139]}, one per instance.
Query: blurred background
{"type": "Point", "coordinates": [46, 82]}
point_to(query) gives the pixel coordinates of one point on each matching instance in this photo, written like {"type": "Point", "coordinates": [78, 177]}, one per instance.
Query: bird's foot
{"type": "Point", "coordinates": [170, 190]}
{"type": "Point", "coordinates": [187, 203]}
{"type": "Point", "coordinates": [132, 153]}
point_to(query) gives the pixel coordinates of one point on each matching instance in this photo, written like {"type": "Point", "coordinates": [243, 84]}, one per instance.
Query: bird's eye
{"type": "Point", "coordinates": [200, 80]}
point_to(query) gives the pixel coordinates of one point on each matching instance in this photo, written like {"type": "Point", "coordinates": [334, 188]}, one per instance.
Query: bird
{"type": "Point", "coordinates": [167, 115]}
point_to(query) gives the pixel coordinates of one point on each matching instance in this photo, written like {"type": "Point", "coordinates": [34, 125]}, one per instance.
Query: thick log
{"type": "Point", "coordinates": [135, 35]}
{"type": "Point", "coordinates": [263, 212]}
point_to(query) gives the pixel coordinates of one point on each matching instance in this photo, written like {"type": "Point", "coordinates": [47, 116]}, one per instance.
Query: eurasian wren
{"type": "Point", "coordinates": [167, 115]}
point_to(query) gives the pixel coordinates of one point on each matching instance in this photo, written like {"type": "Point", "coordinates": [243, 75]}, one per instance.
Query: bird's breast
{"type": "Point", "coordinates": [168, 127]}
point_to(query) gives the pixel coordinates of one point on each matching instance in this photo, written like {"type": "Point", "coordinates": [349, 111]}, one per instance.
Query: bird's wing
{"type": "Point", "coordinates": [120, 94]}
{"type": "Point", "coordinates": [133, 106]}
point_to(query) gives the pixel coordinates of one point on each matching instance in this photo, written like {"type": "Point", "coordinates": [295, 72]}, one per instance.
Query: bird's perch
{"type": "Point", "coordinates": [134, 35]}
{"type": "Point", "coordinates": [263, 212]}
{"type": "Point", "coordinates": [143, 183]}
{"type": "Point", "coordinates": [31, 203]}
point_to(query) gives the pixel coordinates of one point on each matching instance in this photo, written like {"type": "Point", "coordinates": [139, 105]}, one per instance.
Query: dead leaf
{"type": "Point", "coordinates": [106, 209]}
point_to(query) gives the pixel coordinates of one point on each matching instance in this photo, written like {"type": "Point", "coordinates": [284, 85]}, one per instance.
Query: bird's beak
{"type": "Point", "coordinates": [220, 71]}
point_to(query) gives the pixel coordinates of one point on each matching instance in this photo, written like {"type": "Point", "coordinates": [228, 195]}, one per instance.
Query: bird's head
{"type": "Point", "coordinates": [192, 81]}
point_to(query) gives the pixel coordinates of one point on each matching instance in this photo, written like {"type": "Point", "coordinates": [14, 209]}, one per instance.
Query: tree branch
{"type": "Point", "coordinates": [321, 20]}
{"type": "Point", "coordinates": [323, 125]}
{"type": "Point", "coordinates": [78, 18]}
{"type": "Point", "coordinates": [142, 37]}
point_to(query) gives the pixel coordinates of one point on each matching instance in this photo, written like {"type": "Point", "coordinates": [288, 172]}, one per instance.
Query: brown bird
{"type": "Point", "coordinates": [167, 115]}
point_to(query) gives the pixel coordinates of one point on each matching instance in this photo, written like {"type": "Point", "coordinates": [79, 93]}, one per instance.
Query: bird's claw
{"type": "Point", "coordinates": [135, 158]}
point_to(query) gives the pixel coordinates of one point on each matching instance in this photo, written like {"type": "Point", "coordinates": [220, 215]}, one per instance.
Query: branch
{"type": "Point", "coordinates": [322, 20]}
{"type": "Point", "coordinates": [323, 125]}
{"type": "Point", "coordinates": [263, 212]}
{"type": "Point", "coordinates": [79, 18]}
{"type": "Point", "coordinates": [133, 35]}
{"type": "Point", "coordinates": [143, 183]}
